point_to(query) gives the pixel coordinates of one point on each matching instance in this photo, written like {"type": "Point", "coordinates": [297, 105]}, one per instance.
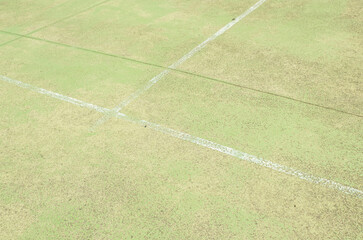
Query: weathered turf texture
{"type": "Point", "coordinates": [24, 16]}
{"type": "Point", "coordinates": [5, 38]}
{"type": "Point", "coordinates": [158, 32]}
{"type": "Point", "coordinates": [87, 76]}
{"type": "Point", "coordinates": [307, 50]}
{"type": "Point", "coordinates": [59, 180]}
{"type": "Point", "coordinates": [324, 143]}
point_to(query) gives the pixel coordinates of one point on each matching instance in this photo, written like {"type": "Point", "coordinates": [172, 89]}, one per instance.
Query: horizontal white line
{"type": "Point", "coordinates": [55, 95]}
{"type": "Point", "coordinates": [199, 141]}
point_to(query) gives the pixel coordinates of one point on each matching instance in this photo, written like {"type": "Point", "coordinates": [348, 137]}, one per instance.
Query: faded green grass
{"type": "Point", "coordinates": [5, 38]}
{"type": "Point", "coordinates": [305, 49]}
{"type": "Point", "coordinates": [323, 143]}
{"type": "Point", "coordinates": [310, 30]}
{"type": "Point", "coordinates": [60, 181]}
{"type": "Point", "coordinates": [129, 182]}
{"type": "Point", "coordinates": [156, 32]}
{"type": "Point", "coordinates": [90, 77]}
{"type": "Point", "coordinates": [22, 16]}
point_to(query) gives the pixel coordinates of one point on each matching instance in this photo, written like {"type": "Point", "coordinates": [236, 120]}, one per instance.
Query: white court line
{"type": "Point", "coordinates": [199, 141]}
{"type": "Point", "coordinates": [55, 95]}
{"type": "Point", "coordinates": [155, 79]}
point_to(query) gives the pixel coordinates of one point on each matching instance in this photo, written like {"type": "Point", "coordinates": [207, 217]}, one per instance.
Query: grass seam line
{"type": "Point", "coordinates": [196, 140]}
{"type": "Point", "coordinates": [55, 22]}
{"type": "Point", "coordinates": [185, 72]}
{"type": "Point", "coordinates": [158, 77]}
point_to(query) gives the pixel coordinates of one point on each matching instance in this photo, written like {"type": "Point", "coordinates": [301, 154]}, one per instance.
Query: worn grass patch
{"type": "Point", "coordinates": [60, 180]}
{"type": "Point", "coordinates": [323, 143]}
{"type": "Point", "coordinates": [306, 50]}
{"type": "Point", "coordinates": [157, 33]}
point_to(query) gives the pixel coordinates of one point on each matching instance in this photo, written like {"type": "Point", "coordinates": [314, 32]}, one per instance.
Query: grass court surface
{"type": "Point", "coordinates": [181, 119]}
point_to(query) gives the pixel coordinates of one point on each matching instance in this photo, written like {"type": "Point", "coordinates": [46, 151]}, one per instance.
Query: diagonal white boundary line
{"type": "Point", "coordinates": [199, 141]}
{"type": "Point", "coordinates": [158, 77]}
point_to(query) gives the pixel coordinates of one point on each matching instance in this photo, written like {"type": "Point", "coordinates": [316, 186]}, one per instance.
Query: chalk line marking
{"type": "Point", "coordinates": [158, 77]}
{"type": "Point", "coordinates": [197, 140]}
{"type": "Point", "coordinates": [186, 72]}
{"type": "Point", "coordinates": [54, 95]}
